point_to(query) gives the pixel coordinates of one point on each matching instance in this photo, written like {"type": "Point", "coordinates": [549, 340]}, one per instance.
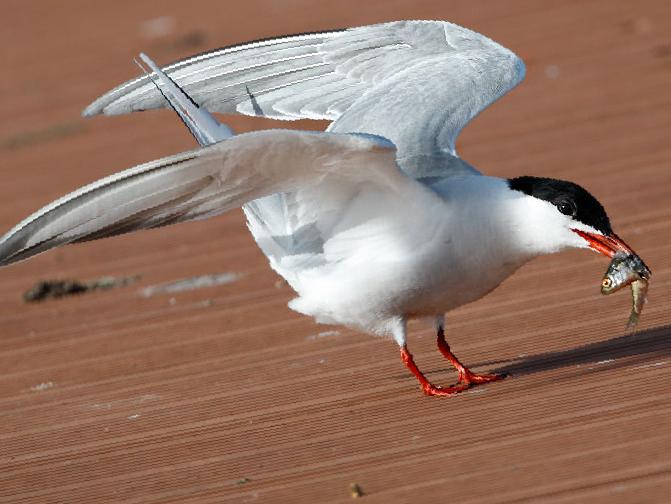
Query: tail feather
{"type": "Point", "coordinates": [203, 126]}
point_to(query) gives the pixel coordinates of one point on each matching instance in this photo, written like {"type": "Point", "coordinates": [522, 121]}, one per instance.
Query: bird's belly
{"type": "Point", "coordinates": [438, 283]}
{"type": "Point", "coordinates": [450, 291]}
{"type": "Point", "coordinates": [361, 296]}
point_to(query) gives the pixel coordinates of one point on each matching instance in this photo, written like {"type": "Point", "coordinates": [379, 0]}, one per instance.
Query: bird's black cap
{"type": "Point", "coordinates": [569, 198]}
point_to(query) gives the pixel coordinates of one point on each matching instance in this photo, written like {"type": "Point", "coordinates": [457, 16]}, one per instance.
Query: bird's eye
{"type": "Point", "coordinates": [567, 208]}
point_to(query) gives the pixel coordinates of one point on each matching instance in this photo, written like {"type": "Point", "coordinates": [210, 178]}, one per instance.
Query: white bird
{"type": "Point", "coordinates": [373, 222]}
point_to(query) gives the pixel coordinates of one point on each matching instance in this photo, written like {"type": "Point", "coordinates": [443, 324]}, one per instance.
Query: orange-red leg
{"type": "Point", "coordinates": [427, 387]}
{"type": "Point", "coordinates": [466, 376]}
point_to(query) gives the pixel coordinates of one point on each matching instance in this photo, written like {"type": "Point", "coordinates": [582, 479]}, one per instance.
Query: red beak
{"type": "Point", "coordinates": [608, 245]}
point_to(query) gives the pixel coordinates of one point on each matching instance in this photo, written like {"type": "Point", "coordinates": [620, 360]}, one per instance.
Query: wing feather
{"type": "Point", "coordinates": [212, 180]}
{"type": "Point", "coordinates": [417, 83]}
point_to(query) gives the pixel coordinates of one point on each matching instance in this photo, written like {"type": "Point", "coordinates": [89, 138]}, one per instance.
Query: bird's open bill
{"type": "Point", "coordinates": [608, 245]}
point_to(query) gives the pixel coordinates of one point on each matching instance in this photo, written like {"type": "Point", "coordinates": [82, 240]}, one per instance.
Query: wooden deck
{"type": "Point", "coordinates": [222, 394]}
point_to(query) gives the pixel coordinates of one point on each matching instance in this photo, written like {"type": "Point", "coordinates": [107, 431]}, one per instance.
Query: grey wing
{"type": "Point", "coordinates": [417, 83]}
{"type": "Point", "coordinates": [211, 180]}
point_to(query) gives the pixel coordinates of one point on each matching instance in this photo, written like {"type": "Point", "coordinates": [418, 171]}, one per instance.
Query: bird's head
{"type": "Point", "coordinates": [558, 214]}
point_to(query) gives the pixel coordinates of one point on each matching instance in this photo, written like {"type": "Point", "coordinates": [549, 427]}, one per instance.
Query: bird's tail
{"type": "Point", "coordinates": [203, 126]}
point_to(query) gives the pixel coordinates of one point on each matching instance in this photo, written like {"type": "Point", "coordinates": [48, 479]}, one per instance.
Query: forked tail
{"type": "Point", "coordinates": [203, 126]}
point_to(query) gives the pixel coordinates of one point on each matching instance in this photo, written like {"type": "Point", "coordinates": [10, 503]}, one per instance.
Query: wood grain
{"type": "Point", "coordinates": [223, 394]}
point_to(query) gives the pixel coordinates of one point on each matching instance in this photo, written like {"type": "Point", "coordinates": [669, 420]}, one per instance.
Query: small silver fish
{"type": "Point", "coordinates": [628, 270]}
{"type": "Point", "coordinates": [620, 273]}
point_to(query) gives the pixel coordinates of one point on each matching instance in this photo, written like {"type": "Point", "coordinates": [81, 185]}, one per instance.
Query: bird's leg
{"type": "Point", "coordinates": [427, 387]}
{"type": "Point", "coordinates": [466, 376]}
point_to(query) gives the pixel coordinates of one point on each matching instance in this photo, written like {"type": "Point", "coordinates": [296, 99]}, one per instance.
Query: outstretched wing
{"type": "Point", "coordinates": [417, 83]}
{"type": "Point", "coordinates": [214, 179]}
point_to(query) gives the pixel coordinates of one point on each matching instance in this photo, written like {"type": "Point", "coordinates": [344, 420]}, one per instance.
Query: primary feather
{"type": "Point", "coordinates": [210, 181]}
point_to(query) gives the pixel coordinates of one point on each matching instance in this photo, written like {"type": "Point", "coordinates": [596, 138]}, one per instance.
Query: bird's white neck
{"type": "Point", "coordinates": [498, 223]}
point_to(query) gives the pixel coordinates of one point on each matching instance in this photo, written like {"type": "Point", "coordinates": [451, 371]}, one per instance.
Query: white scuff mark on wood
{"type": "Point", "coordinates": [42, 386]}
{"type": "Point", "coordinates": [187, 284]}
{"type": "Point", "coordinates": [158, 27]}
{"type": "Point", "coordinates": [600, 363]}
{"type": "Point", "coordinates": [133, 401]}
{"type": "Point", "coordinates": [654, 364]}
{"type": "Point", "coordinates": [133, 417]}
{"type": "Point", "coordinates": [323, 334]}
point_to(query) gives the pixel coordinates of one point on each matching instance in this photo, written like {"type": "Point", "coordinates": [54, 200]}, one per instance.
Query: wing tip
{"type": "Point", "coordinates": [10, 250]}
{"type": "Point", "coordinates": [99, 106]}
{"type": "Point", "coordinates": [520, 66]}
{"type": "Point", "coordinates": [105, 104]}
{"type": "Point", "coordinates": [91, 110]}
{"type": "Point", "coordinates": [111, 103]}
{"type": "Point", "coordinates": [108, 107]}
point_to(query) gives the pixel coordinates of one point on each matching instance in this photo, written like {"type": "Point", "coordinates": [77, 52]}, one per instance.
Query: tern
{"type": "Point", "coordinates": [373, 222]}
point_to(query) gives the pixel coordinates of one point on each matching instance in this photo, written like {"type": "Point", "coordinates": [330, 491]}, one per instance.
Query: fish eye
{"type": "Point", "coordinates": [606, 282]}
{"type": "Point", "coordinates": [567, 208]}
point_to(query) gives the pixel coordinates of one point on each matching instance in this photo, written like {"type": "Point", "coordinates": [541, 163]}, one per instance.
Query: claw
{"type": "Point", "coordinates": [435, 390]}
{"type": "Point", "coordinates": [470, 378]}
{"type": "Point", "coordinates": [427, 387]}
{"type": "Point", "coordinates": [466, 376]}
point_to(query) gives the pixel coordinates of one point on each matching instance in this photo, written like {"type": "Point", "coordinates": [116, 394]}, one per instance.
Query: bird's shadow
{"type": "Point", "coordinates": [644, 347]}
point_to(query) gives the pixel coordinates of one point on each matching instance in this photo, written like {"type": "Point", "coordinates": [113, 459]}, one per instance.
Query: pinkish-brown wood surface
{"type": "Point", "coordinates": [224, 395]}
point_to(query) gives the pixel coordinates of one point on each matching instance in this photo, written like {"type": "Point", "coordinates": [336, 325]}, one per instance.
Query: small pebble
{"type": "Point", "coordinates": [355, 490]}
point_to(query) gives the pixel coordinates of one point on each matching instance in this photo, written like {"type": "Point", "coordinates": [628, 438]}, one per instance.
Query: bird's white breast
{"type": "Point", "coordinates": [454, 257]}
